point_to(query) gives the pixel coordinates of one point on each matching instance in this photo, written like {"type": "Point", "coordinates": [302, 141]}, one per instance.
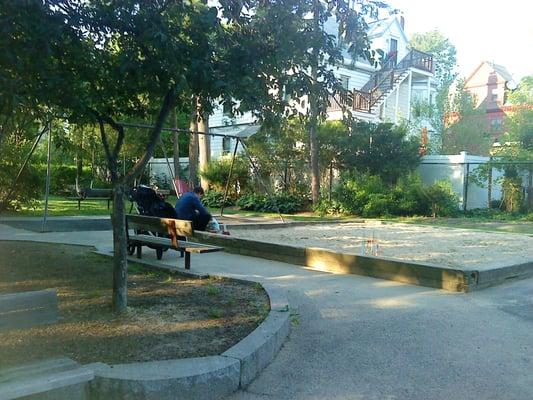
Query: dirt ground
{"type": "Point", "coordinates": [447, 247]}
{"type": "Point", "coordinates": [168, 316]}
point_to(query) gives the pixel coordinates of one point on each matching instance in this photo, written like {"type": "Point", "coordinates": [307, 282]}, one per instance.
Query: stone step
{"type": "Point", "coordinates": [43, 377]}
{"type": "Point", "coordinates": [37, 368]}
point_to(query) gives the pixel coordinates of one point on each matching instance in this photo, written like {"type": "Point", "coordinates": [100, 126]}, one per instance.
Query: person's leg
{"type": "Point", "coordinates": [200, 222]}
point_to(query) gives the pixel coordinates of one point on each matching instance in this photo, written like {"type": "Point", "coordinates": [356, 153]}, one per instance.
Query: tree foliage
{"type": "Point", "coordinates": [445, 61]}
{"type": "Point", "coordinates": [465, 125]}
{"type": "Point", "coordinates": [383, 150]}
{"type": "Point", "coordinates": [96, 62]}
{"type": "Point", "coordinates": [443, 51]}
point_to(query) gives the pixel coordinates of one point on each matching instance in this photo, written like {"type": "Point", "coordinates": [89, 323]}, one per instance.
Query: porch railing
{"type": "Point", "coordinates": [381, 82]}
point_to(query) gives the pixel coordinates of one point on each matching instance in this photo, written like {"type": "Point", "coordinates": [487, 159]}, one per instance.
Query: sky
{"type": "Point", "coordinates": [496, 31]}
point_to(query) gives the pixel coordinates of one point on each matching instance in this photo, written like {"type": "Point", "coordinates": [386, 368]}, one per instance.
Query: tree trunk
{"type": "Point", "coordinates": [313, 112]}
{"type": "Point", "coordinates": [176, 146]}
{"type": "Point", "coordinates": [203, 145]}
{"type": "Point", "coordinates": [79, 166]}
{"type": "Point", "coordinates": [120, 263]}
{"type": "Point", "coordinates": [193, 149]}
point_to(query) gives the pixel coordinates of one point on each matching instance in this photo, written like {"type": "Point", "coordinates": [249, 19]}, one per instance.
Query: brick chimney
{"type": "Point", "coordinates": [402, 22]}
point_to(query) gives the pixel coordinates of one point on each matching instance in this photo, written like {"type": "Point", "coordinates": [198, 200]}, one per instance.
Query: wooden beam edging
{"type": "Point", "coordinates": [262, 225]}
{"type": "Point", "coordinates": [429, 275]}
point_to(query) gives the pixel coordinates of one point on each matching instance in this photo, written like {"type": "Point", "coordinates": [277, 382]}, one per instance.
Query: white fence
{"type": "Point", "coordinates": [161, 171]}
{"type": "Point", "coordinates": [458, 170]}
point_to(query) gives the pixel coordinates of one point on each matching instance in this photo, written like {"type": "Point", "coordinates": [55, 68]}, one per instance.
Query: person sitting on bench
{"type": "Point", "coordinates": [190, 207]}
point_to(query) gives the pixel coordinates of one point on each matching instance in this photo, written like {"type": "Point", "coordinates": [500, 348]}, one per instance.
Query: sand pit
{"type": "Point", "coordinates": [445, 247]}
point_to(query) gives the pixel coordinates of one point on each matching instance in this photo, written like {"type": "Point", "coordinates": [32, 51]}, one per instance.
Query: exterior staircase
{"type": "Point", "coordinates": [382, 83]}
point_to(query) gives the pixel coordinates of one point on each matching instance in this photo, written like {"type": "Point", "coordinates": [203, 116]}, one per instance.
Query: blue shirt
{"type": "Point", "coordinates": [187, 204]}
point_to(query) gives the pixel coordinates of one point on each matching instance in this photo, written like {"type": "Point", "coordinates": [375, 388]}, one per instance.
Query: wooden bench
{"type": "Point", "coordinates": [175, 234]}
{"type": "Point", "coordinates": [27, 309]}
{"type": "Point", "coordinates": [93, 194]}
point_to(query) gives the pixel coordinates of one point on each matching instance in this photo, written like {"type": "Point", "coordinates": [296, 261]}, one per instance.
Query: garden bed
{"type": "Point", "coordinates": [168, 316]}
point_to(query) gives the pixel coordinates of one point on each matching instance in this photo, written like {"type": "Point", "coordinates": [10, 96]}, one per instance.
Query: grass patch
{"type": "Point", "coordinates": [168, 316]}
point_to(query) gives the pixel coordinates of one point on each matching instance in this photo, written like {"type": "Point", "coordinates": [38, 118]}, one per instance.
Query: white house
{"type": "Point", "coordinates": [379, 94]}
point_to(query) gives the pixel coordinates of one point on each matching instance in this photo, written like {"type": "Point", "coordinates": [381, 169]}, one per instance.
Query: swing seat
{"type": "Point", "coordinates": [182, 187]}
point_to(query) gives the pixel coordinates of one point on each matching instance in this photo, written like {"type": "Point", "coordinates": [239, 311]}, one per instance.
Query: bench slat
{"type": "Point", "coordinates": [190, 247]}
{"type": "Point", "coordinates": [160, 225]}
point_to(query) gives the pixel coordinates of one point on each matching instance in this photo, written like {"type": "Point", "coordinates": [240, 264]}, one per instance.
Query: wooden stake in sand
{"type": "Point", "coordinates": [370, 246]}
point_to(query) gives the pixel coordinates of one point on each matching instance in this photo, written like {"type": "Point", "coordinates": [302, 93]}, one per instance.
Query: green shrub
{"type": "Point", "coordinates": [378, 204]}
{"type": "Point", "coordinates": [368, 196]}
{"type": "Point", "coordinates": [409, 198]}
{"type": "Point", "coordinates": [214, 198]}
{"type": "Point", "coordinates": [217, 172]}
{"type": "Point", "coordinates": [284, 202]}
{"type": "Point", "coordinates": [442, 200]}
{"type": "Point", "coordinates": [513, 198]}
{"type": "Point", "coordinates": [250, 201]}
{"type": "Point", "coordinates": [64, 176]}
{"type": "Point", "coordinates": [29, 188]}
{"type": "Point", "coordinates": [332, 207]}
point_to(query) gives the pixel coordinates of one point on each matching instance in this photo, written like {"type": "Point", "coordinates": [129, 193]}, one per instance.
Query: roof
{"type": "Point", "coordinates": [499, 69]}
{"type": "Point", "coordinates": [380, 26]}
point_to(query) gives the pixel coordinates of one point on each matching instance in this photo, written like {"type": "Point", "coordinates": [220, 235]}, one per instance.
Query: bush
{"type": "Point", "coordinates": [284, 202]}
{"type": "Point", "coordinates": [251, 202]}
{"type": "Point", "coordinates": [64, 176]}
{"type": "Point", "coordinates": [378, 204]}
{"type": "Point", "coordinates": [214, 198]}
{"type": "Point", "coordinates": [368, 196]}
{"type": "Point", "coordinates": [513, 198]}
{"type": "Point", "coordinates": [442, 200]}
{"type": "Point", "coordinates": [29, 188]}
{"type": "Point", "coordinates": [332, 207]}
{"type": "Point", "coordinates": [409, 197]}
{"type": "Point", "coordinates": [217, 171]}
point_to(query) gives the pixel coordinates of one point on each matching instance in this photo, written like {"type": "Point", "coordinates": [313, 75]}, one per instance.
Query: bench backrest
{"type": "Point", "coordinates": [167, 226]}
{"type": "Point", "coordinates": [90, 192]}
{"type": "Point", "coordinates": [27, 309]}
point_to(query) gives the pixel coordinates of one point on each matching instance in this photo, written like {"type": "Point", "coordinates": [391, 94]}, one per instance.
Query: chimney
{"type": "Point", "coordinates": [402, 22]}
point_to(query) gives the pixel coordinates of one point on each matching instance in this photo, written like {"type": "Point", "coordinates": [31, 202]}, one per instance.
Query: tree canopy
{"type": "Point", "coordinates": [443, 51]}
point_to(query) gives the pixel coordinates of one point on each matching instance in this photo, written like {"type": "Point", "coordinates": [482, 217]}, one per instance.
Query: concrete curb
{"type": "Point", "coordinates": [203, 377]}
{"type": "Point", "coordinates": [430, 275]}
{"type": "Point", "coordinates": [192, 378]}
{"type": "Point", "coordinates": [258, 349]}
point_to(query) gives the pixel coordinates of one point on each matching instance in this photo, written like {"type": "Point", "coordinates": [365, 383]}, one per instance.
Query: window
{"type": "Point", "coordinates": [226, 145]}
{"type": "Point", "coordinates": [496, 124]}
{"type": "Point", "coordinates": [226, 109]}
{"type": "Point", "coordinates": [345, 81]}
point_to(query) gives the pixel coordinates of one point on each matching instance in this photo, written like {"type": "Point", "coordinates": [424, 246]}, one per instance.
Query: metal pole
{"type": "Point", "coordinates": [229, 177]}
{"type": "Point", "coordinates": [169, 168]}
{"type": "Point", "coordinates": [465, 186]}
{"type": "Point", "coordinates": [23, 167]}
{"type": "Point", "coordinates": [489, 185]}
{"type": "Point", "coordinates": [48, 169]}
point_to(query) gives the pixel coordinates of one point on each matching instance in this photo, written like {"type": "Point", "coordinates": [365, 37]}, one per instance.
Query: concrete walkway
{"type": "Point", "coordinates": [362, 338]}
